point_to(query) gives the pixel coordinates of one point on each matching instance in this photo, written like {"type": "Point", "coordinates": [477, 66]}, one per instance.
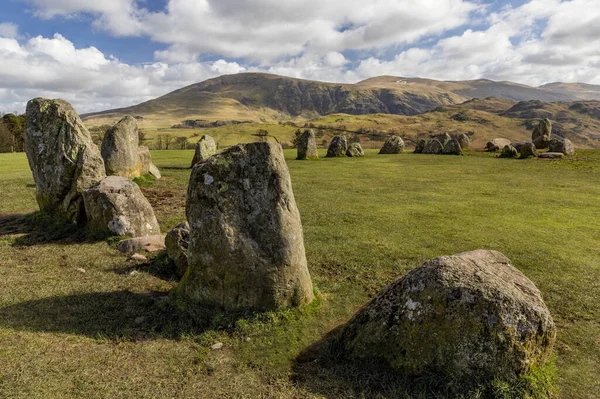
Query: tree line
{"type": "Point", "coordinates": [12, 133]}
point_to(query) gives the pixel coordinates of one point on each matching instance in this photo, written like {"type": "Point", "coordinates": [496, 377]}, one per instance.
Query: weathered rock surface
{"type": "Point", "coordinates": [552, 155]}
{"type": "Point", "coordinates": [62, 157]}
{"type": "Point", "coordinates": [541, 142]}
{"type": "Point", "coordinates": [246, 247]}
{"type": "Point", "coordinates": [526, 149]}
{"type": "Point", "coordinates": [443, 138]}
{"type": "Point", "coordinates": [307, 145]}
{"type": "Point", "coordinates": [496, 144]}
{"type": "Point", "coordinates": [177, 241]}
{"type": "Point", "coordinates": [544, 128]}
{"type": "Point", "coordinates": [452, 147]}
{"type": "Point", "coordinates": [420, 146]}
{"type": "Point", "coordinates": [509, 152]}
{"type": "Point", "coordinates": [355, 150]}
{"type": "Point", "coordinates": [463, 140]}
{"type": "Point", "coordinates": [155, 243]}
{"type": "Point", "coordinates": [205, 148]}
{"type": "Point", "coordinates": [433, 146]}
{"type": "Point", "coordinates": [337, 147]}
{"type": "Point", "coordinates": [561, 145]}
{"type": "Point", "coordinates": [146, 165]}
{"type": "Point", "coordinates": [117, 206]}
{"type": "Point", "coordinates": [120, 149]}
{"type": "Point", "coordinates": [393, 145]}
{"type": "Point", "coordinates": [472, 314]}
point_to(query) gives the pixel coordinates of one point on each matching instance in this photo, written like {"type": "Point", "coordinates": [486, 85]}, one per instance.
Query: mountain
{"type": "Point", "coordinates": [263, 97]}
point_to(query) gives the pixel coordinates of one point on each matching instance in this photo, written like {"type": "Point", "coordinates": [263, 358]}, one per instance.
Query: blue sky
{"type": "Point", "coordinates": [114, 53]}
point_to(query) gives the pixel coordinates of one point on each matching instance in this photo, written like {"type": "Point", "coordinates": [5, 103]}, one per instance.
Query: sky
{"type": "Point", "coordinates": [104, 54]}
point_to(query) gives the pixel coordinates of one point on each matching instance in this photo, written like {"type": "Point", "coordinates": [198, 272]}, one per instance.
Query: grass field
{"type": "Point", "coordinates": [78, 319]}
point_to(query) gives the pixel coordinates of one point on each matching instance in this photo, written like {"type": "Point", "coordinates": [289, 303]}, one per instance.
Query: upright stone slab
{"type": "Point", "coordinates": [544, 128]}
{"type": "Point", "coordinates": [470, 315]}
{"type": "Point", "coordinates": [463, 140]}
{"type": "Point", "coordinates": [146, 165]}
{"type": "Point", "coordinates": [433, 146]}
{"type": "Point", "coordinates": [355, 150]}
{"type": "Point", "coordinates": [393, 145]}
{"type": "Point", "coordinates": [120, 149]}
{"type": "Point", "coordinates": [205, 148]}
{"type": "Point", "coordinates": [307, 145]}
{"type": "Point", "coordinates": [337, 147]}
{"type": "Point", "coordinates": [420, 146]}
{"type": "Point", "coordinates": [116, 206]}
{"type": "Point", "coordinates": [452, 147]}
{"type": "Point", "coordinates": [246, 247]}
{"type": "Point", "coordinates": [443, 138]}
{"type": "Point", "coordinates": [62, 157]}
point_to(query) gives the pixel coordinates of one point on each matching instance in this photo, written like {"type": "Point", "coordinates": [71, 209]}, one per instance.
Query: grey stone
{"type": "Point", "coordinates": [393, 145]}
{"type": "Point", "coordinates": [420, 146]}
{"type": "Point", "coordinates": [471, 314]}
{"type": "Point", "coordinates": [443, 138]}
{"type": "Point", "coordinates": [355, 150]}
{"type": "Point", "coordinates": [544, 128]}
{"type": "Point", "coordinates": [154, 243]}
{"type": "Point", "coordinates": [561, 145]}
{"type": "Point", "coordinates": [496, 144]}
{"type": "Point", "coordinates": [146, 165]}
{"type": "Point", "coordinates": [120, 149]}
{"type": "Point", "coordinates": [117, 206]}
{"type": "Point", "coordinates": [541, 142]}
{"type": "Point", "coordinates": [509, 152]}
{"type": "Point", "coordinates": [138, 258]}
{"type": "Point", "coordinates": [307, 145]}
{"type": "Point", "coordinates": [205, 148]}
{"type": "Point", "coordinates": [552, 155]}
{"type": "Point", "coordinates": [526, 149]}
{"type": "Point", "coordinates": [452, 147]}
{"type": "Point", "coordinates": [463, 140]}
{"type": "Point", "coordinates": [337, 147]}
{"type": "Point", "coordinates": [177, 241]}
{"type": "Point", "coordinates": [246, 247]}
{"type": "Point", "coordinates": [62, 157]}
{"type": "Point", "coordinates": [433, 146]}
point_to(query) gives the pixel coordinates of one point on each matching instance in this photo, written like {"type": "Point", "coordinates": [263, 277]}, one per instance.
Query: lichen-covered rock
{"type": "Point", "coordinates": [544, 128]}
{"type": "Point", "coordinates": [337, 147]}
{"type": "Point", "coordinates": [541, 142]}
{"type": "Point", "coordinates": [471, 314]}
{"type": "Point", "coordinates": [509, 152]}
{"type": "Point", "coordinates": [62, 157]}
{"type": "Point", "coordinates": [177, 241]}
{"type": "Point", "coordinates": [155, 243]}
{"type": "Point", "coordinates": [146, 165]}
{"type": "Point", "coordinates": [443, 138]}
{"type": "Point", "coordinates": [120, 149]}
{"type": "Point", "coordinates": [463, 140]}
{"type": "Point", "coordinates": [526, 149]}
{"type": "Point", "coordinates": [433, 146]}
{"type": "Point", "coordinates": [552, 155]}
{"type": "Point", "coordinates": [393, 145]}
{"type": "Point", "coordinates": [117, 206]}
{"type": "Point", "coordinates": [307, 145]}
{"type": "Point", "coordinates": [246, 247]}
{"type": "Point", "coordinates": [496, 144]}
{"type": "Point", "coordinates": [205, 148]}
{"type": "Point", "coordinates": [452, 147]}
{"type": "Point", "coordinates": [561, 145]}
{"type": "Point", "coordinates": [355, 150]}
{"type": "Point", "coordinates": [420, 146]}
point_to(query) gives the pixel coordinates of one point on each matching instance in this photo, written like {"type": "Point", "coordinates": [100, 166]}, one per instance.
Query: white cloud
{"type": "Point", "coordinates": [9, 30]}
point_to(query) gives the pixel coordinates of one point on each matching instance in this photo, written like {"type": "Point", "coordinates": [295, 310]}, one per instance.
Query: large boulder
{"type": "Point", "coordinates": [355, 150]}
{"type": "Point", "coordinates": [205, 148]}
{"type": "Point", "coordinates": [62, 157]}
{"type": "Point", "coordinates": [246, 247]}
{"type": "Point", "coordinates": [562, 145]}
{"type": "Point", "coordinates": [509, 152]}
{"type": "Point", "coordinates": [433, 146]}
{"type": "Point", "coordinates": [420, 146]}
{"type": "Point", "coordinates": [544, 128]}
{"type": "Point", "coordinates": [146, 165]}
{"type": "Point", "coordinates": [120, 149]}
{"type": "Point", "coordinates": [469, 315]}
{"type": "Point", "coordinates": [337, 147]}
{"type": "Point", "coordinates": [177, 242]}
{"type": "Point", "coordinates": [393, 145]}
{"type": "Point", "coordinates": [496, 144]}
{"type": "Point", "coordinates": [307, 145]}
{"type": "Point", "coordinates": [463, 140]}
{"type": "Point", "coordinates": [116, 206]}
{"type": "Point", "coordinates": [452, 147]}
{"type": "Point", "coordinates": [443, 138]}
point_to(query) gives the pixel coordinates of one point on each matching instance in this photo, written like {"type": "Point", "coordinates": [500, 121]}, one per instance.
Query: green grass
{"type": "Point", "coordinates": [367, 221]}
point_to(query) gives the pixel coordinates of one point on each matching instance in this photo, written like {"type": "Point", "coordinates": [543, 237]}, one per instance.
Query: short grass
{"type": "Point", "coordinates": [78, 319]}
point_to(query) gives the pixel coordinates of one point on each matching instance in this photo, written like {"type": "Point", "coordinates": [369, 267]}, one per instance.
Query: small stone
{"type": "Point", "coordinates": [139, 319]}
{"type": "Point", "coordinates": [149, 244]}
{"type": "Point", "coordinates": [496, 144]}
{"type": "Point", "coordinates": [452, 147]}
{"type": "Point", "coordinates": [133, 273]}
{"type": "Point", "coordinates": [80, 270]}
{"type": "Point", "coordinates": [176, 242]}
{"type": "Point", "coordinates": [162, 299]}
{"type": "Point", "coordinates": [205, 148]}
{"type": "Point", "coordinates": [146, 165]}
{"type": "Point", "coordinates": [552, 155]}
{"type": "Point", "coordinates": [509, 152]}
{"type": "Point", "coordinates": [139, 258]}
{"type": "Point", "coordinates": [217, 346]}
{"type": "Point", "coordinates": [355, 150]}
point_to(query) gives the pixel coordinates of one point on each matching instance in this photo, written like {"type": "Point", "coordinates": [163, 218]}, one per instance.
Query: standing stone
{"type": "Point", "coordinates": [433, 146]}
{"type": "Point", "coordinates": [443, 138]}
{"type": "Point", "coordinates": [544, 128]}
{"type": "Point", "coordinates": [470, 315]}
{"type": "Point", "coordinates": [496, 144]}
{"type": "Point", "coordinates": [562, 145]}
{"type": "Point", "coordinates": [393, 145]}
{"type": "Point", "coordinates": [117, 206]}
{"type": "Point", "coordinates": [146, 165]}
{"type": "Point", "coordinates": [526, 149]}
{"type": "Point", "coordinates": [246, 247]}
{"type": "Point", "coordinates": [355, 150]}
{"type": "Point", "coordinates": [62, 157]}
{"type": "Point", "coordinates": [337, 147]}
{"type": "Point", "coordinates": [120, 149]}
{"type": "Point", "coordinates": [509, 152]}
{"type": "Point", "coordinates": [420, 146]}
{"type": "Point", "coordinates": [177, 242]}
{"type": "Point", "coordinates": [205, 148]}
{"type": "Point", "coordinates": [463, 140]}
{"type": "Point", "coordinates": [307, 145]}
{"type": "Point", "coordinates": [452, 147]}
